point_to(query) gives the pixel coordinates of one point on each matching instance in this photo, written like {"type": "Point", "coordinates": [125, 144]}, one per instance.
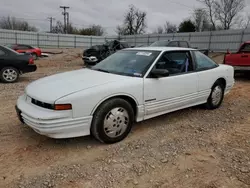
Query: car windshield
{"type": "Point", "coordinates": [160, 43]}
{"type": "Point", "coordinates": [128, 62]}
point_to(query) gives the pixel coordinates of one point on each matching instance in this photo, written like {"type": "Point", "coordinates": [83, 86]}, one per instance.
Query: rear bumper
{"type": "Point", "coordinates": [29, 68]}
{"type": "Point", "coordinates": [241, 68]}
{"type": "Point", "coordinates": [53, 124]}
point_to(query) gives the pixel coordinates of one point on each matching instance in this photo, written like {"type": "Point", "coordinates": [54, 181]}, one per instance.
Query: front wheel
{"type": "Point", "coordinates": [9, 74]}
{"type": "Point", "coordinates": [112, 121]}
{"type": "Point", "coordinates": [216, 96]}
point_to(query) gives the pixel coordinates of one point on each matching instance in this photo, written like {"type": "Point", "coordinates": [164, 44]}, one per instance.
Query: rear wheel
{"type": "Point", "coordinates": [216, 96]}
{"type": "Point", "coordinates": [112, 121]}
{"type": "Point", "coordinates": [9, 74]}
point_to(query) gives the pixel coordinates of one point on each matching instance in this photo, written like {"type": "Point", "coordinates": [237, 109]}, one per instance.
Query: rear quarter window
{"type": "Point", "coordinates": [203, 62]}
{"type": "Point", "coordinates": [183, 44]}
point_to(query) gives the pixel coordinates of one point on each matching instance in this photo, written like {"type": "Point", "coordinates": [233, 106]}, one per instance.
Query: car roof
{"type": "Point", "coordinates": [172, 40]}
{"type": "Point", "coordinates": [152, 48]}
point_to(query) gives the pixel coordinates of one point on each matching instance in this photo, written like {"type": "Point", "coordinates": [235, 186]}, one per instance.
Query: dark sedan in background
{"type": "Point", "coordinates": [97, 53]}
{"type": "Point", "coordinates": [12, 64]}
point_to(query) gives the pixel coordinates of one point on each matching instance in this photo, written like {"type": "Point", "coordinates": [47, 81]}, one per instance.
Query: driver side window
{"type": "Point", "coordinates": [246, 48]}
{"type": "Point", "coordinates": [176, 62]}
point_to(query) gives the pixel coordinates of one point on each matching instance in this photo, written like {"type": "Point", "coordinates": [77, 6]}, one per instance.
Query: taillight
{"type": "Point", "coordinates": [31, 61]}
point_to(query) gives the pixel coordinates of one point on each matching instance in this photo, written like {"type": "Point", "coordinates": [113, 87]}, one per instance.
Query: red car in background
{"type": "Point", "coordinates": [23, 48]}
{"type": "Point", "coordinates": [241, 59]}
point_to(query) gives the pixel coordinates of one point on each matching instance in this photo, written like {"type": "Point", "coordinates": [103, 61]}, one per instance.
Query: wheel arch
{"type": "Point", "coordinates": [222, 80]}
{"type": "Point", "coordinates": [130, 99]}
{"type": "Point", "coordinates": [16, 67]}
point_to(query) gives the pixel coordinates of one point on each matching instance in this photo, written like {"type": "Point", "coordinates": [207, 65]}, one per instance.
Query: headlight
{"type": "Point", "coordinates": [93, 58]}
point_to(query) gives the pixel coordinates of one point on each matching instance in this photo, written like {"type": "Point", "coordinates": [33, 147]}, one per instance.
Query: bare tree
{"type": "Point", "coordinates": [159, 30]}
{"type": "Point", "coordinates": [200, 20]}
{"type": "Point", "coordinates": [58, 28]}
{"type": "Point", "coordinates": [13, 24]}
{"type": "Point", "coordinates": [170, 28]}
{"type": "Point", "coordinates": [134, 22]}
{"type": "Point", "coordinates": [226, 11]}
{"type": "Point", "coordinates": [167, 28]}
{"type": "Point", "coordinates": [95, 30]}
{"type": "Point", "coordinates": [244, 22]}
{"type": "Point", "coordinates": [209, 4]}
{"type": "Point", "coordinates": [247, 25]}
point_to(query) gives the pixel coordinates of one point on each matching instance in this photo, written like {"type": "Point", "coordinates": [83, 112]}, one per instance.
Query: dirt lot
{"type": "Point", "coordinates": [191, 148]}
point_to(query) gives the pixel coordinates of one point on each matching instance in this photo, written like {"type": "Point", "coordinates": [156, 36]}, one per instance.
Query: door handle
{"type": "Point", "coordinates": [244, 56]}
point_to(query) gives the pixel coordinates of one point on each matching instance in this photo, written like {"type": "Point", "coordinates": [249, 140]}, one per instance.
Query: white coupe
{"type": "Point", "coordinates": [129, 86]}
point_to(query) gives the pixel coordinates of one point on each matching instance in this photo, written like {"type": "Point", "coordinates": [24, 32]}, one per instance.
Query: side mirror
{"type": "Point", "coordinates": [228, 52]}
{"type": "Point", "coordinates": [160, 73]}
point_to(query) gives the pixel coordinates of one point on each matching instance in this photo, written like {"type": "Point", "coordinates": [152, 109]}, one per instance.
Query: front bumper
{"type": "Point", "coordinates": [229, 87]}
{"type": "Point", "coordinates": [90, 60]}
{"type": "Point", "coordinates": [53, 124]}
{"type": "Point", "coordinates": [29, 68]}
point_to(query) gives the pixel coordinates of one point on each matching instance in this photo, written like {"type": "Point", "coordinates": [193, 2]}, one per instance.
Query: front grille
{"type": "Point", "coordinates": [42, 104]}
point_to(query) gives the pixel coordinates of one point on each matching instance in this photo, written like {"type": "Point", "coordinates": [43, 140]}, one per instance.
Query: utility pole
{"type": "Point", "coordinates": [65, 14]}
{"type": "Point", "coordinates": [67, 22]}
{"type": "Point", "coordinates": [51, 22]}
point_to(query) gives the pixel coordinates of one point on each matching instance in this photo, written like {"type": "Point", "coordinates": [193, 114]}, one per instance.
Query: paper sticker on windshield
{"type": "Point", "coordinates": [137, 74]}
{"type": "Point", "coordinates": [144, 53]}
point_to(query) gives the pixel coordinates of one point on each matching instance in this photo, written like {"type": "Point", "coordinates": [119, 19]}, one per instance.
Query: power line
{"type": "Point", "coordinates": [184, 5]}
{"type": "Point", "coordinates": [25, 18]}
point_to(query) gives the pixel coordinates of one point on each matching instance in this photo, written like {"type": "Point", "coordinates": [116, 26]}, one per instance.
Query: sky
{"type": "Point", "coordinates": [108, 13]}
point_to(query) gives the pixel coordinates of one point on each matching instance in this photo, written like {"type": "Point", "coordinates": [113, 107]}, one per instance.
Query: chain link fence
{"type": "Point", "coordinates": [217, 41]}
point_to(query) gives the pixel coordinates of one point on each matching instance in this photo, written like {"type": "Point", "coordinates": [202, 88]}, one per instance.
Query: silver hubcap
{"type": "Point", "coordinates": [216, 95]}
{"type": "Point", "coordinates": [116, 122]}
{"type": "Point", "coordinates": [10, 75]}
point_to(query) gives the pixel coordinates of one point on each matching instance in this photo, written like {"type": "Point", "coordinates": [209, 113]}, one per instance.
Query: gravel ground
{"type": "Point", "coordinates": [189, 148]}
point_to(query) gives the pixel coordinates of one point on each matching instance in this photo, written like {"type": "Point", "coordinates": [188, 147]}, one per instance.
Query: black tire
{"type": "Point", "coordinates": [218, 85]}
{"type": "Point", "coordinates": [5, 70]}
{"type": "Point", "coordinates": [34, 55]}
{"type": "Point", "coordinates": [102, 112]}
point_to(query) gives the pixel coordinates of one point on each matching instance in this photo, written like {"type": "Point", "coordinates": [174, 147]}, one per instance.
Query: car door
{"type": "Point", "coordinates": [2, 59]}
{"type": "Point", "coordinates": [207, 74]}
{"type": "Point", "coordinates": [173, 92]}
{"type": "Point", "coordinates": [244, 55]}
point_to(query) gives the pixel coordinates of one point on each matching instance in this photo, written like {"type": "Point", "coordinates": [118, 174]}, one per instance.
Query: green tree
{"type": "Point", "coordinates": [95, 30]}
{"type": "Point", "coordinates": [187, 26]}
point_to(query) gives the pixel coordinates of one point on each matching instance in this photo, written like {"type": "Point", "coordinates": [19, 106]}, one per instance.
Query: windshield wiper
{"type": "Point", "coordinates": [102, 70]}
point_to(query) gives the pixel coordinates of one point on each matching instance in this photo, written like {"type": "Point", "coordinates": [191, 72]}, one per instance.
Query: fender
{"type": "Point", "coordinates": [111, 96]}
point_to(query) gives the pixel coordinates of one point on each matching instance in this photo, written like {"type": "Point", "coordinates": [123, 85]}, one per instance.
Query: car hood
{"type": "Point", "coordinates": [52, 88]}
